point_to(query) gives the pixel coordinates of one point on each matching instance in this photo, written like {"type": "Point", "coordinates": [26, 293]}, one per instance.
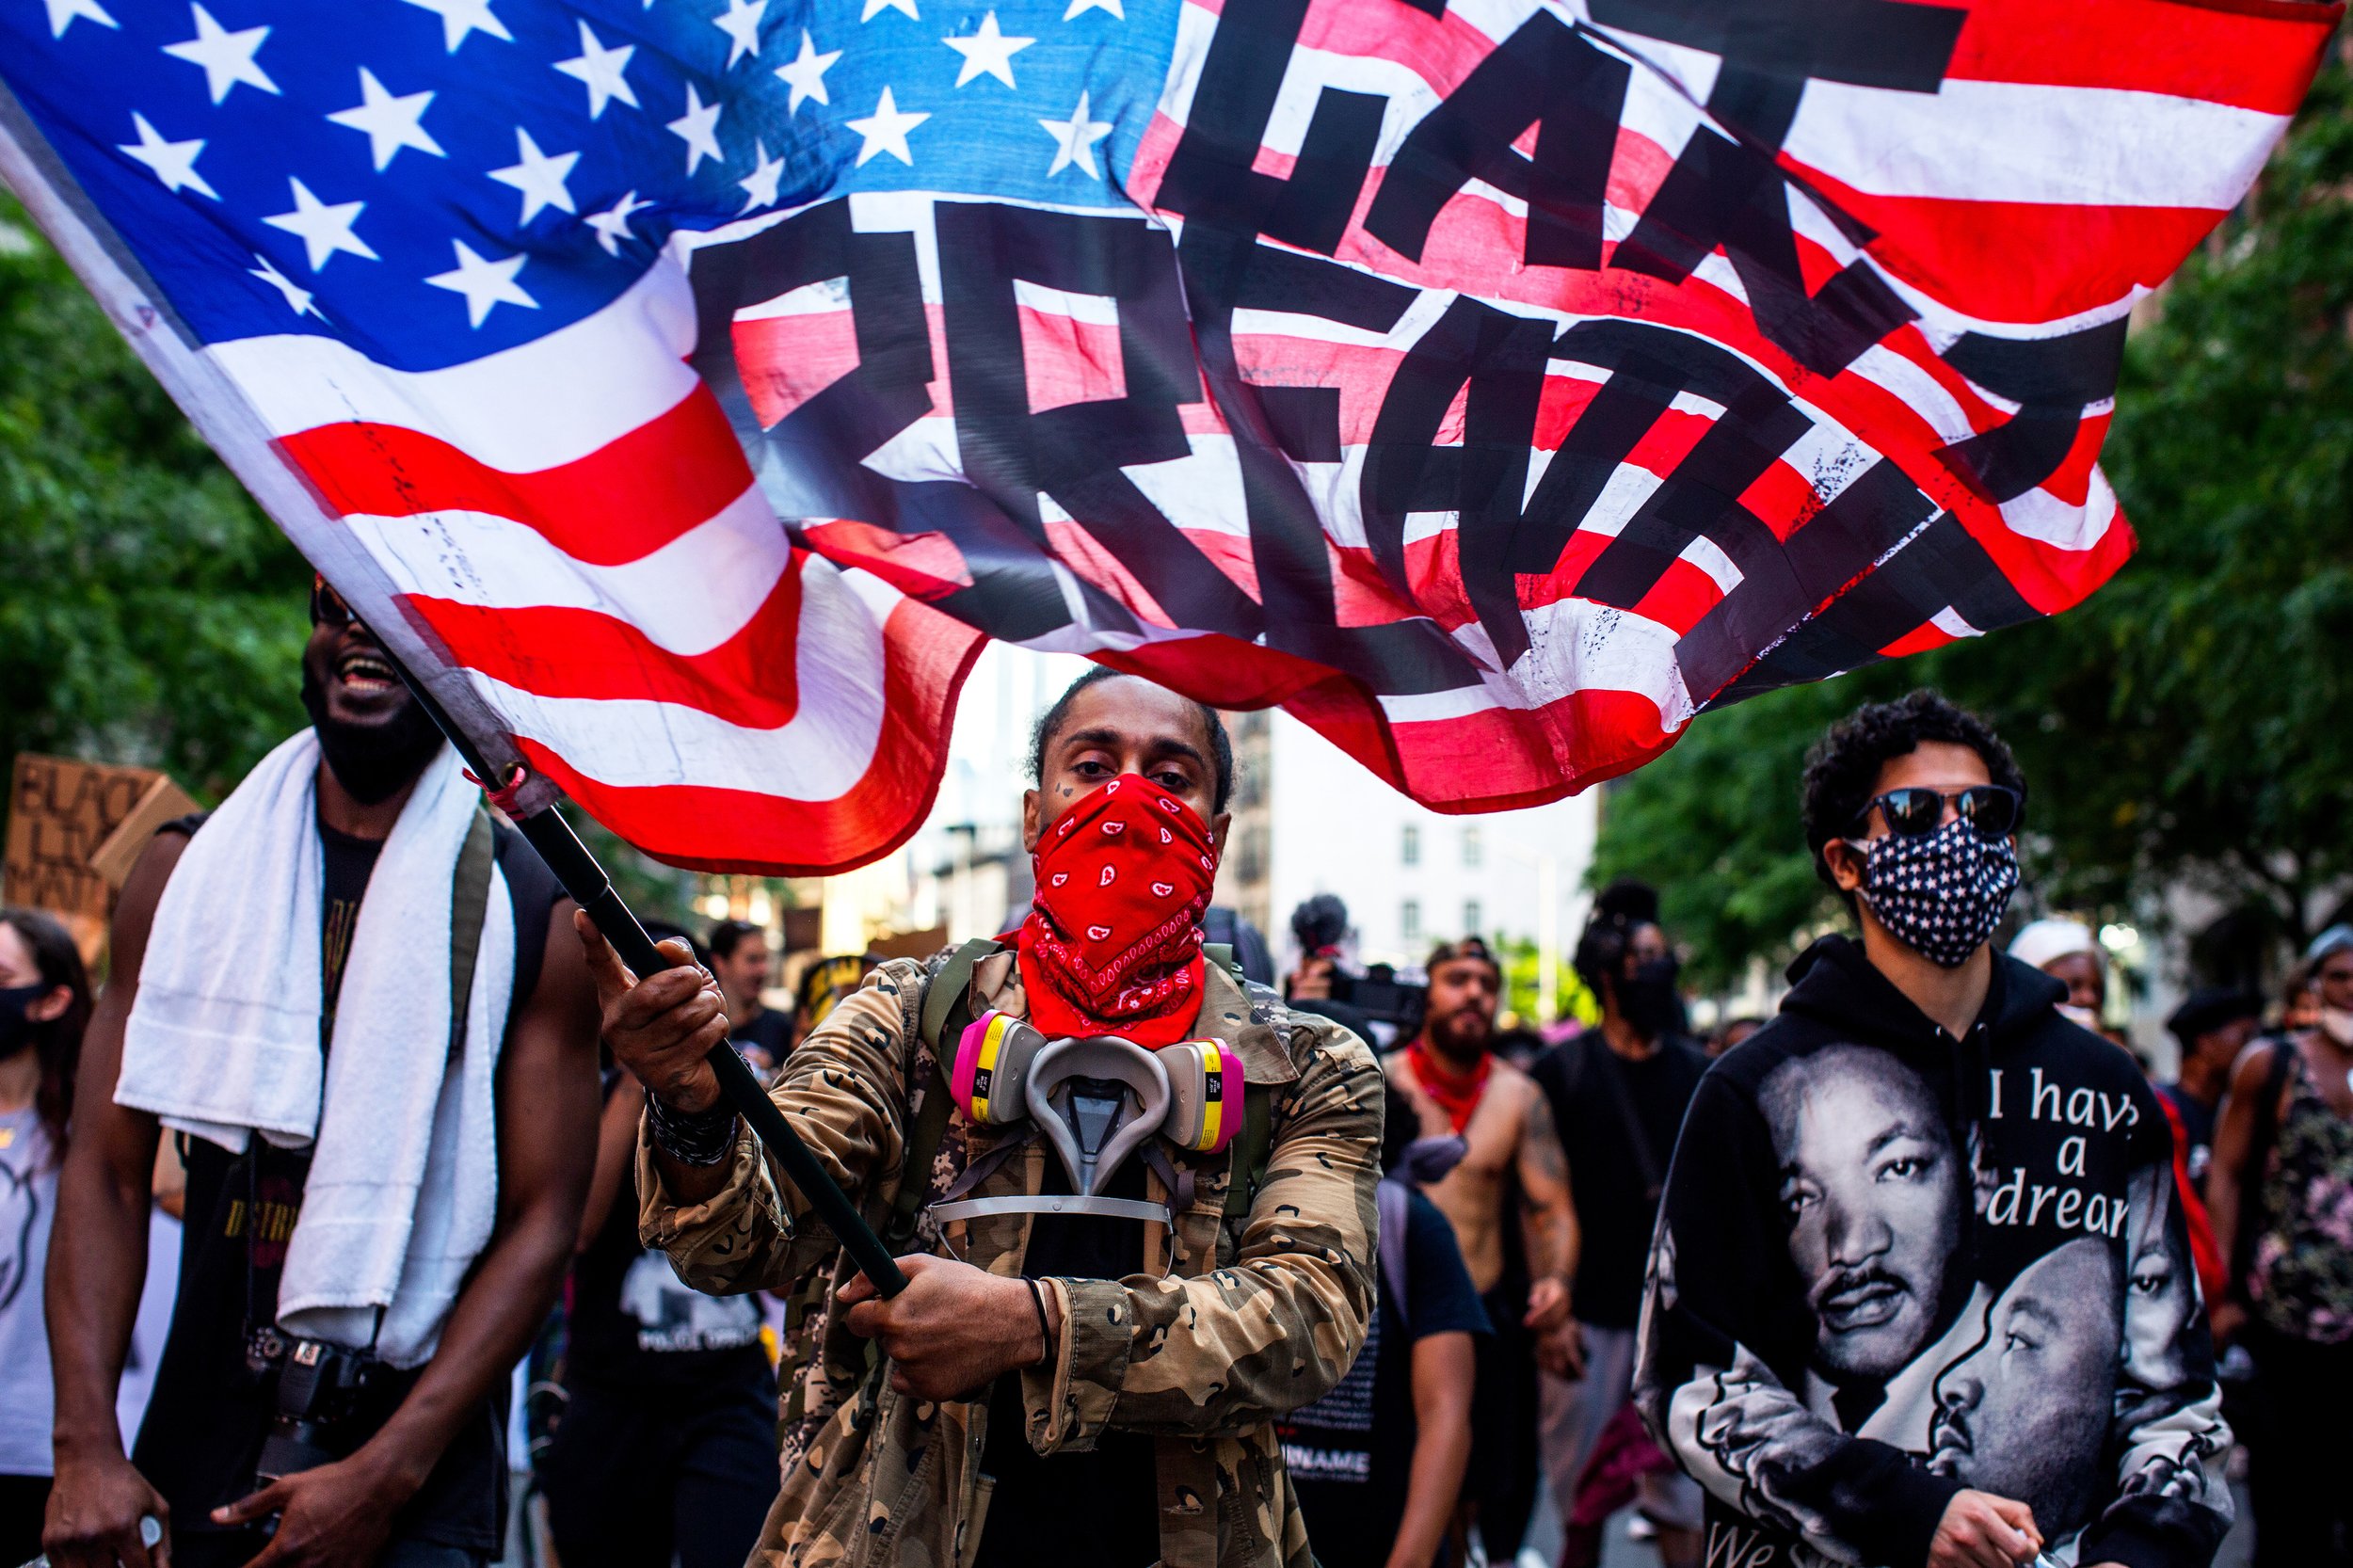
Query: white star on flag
{"type": "Point", "coordinates": [759, 186]}
{"type": "Point", "coordinates": [483, 282]}
{"type": "Point", "coordinates": [741, 23]}
{"type": "Point", "coordinates": [875, 8]}
{"type": "Point", "coordinates": [601, 68]}
{"type": "Point", "coordinates": [323, 228]}
{"type": "Point", "coordinates": [1075, 139]}
{"type": "Point", "coordinates": [1079, 7]}
{"type": "Point", "coordinates": [297, 297]}
{"type": "Point", "coordinates": [174, 162]}
{"type": "Point", "coordinates": [227, 58]}
{"type": "Point", "coordinates": [987, 52]}
{"type": "Point", "coordinates": [64, 13]}
{"type": "Point", "coordinates": [699, 127]}
{"type": "Point", "coordinates": [886, 131]}
{"type": "Point", "coordinates": [806, 74]}
{"type": "Point", "coordinates": [463, 17]}
{"type": "Point", "coordinates": [539, 176]}
{"type": "Point", "coordinates": [612, 225]}
{"type": "Point", "coordinates": [391, 123]}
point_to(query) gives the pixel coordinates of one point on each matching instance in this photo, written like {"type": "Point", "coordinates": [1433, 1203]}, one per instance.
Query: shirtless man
{"type": "Point", "coordinates": [1514, 1171]}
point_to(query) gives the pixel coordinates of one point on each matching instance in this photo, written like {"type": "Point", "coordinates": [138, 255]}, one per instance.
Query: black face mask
{"type": "Point", "coordinates": [1647, 998]}
{"type": "Point", "coordinates": [16, 1028]}
{"type": "Point", "coordinates": [373, 761]}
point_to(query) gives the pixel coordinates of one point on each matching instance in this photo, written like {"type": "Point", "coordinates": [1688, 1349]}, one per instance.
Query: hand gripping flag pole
{"type": "Point", "coordinates": [585, 881]}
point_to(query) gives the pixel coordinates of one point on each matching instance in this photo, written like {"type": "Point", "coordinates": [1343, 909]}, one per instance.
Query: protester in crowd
{"type": "Point", "coordinates": [1083, 1376]}
{"type": "Point", "coordinates": [1378, 1462]}
{"type": "Point", "coordinates": [667, 1446]}
{"type": "Point", "coordinates": [45, 1004]}
{"type": "Point", "coordinates": [739, 960]}
{"type": "Point", "coordinates": [2212, 1026]}
{"type": "Point", "coordinates": [2278, 1192]}
{"type": "Point", "coordinates": [348, 959]}
{"type": "Point", "coordinates": [2066, 950]}
{"type": "Point", "coordinates": [1232, 930]}
{"type": "Point", "coordinates": [1733, 1031]}
{"type": "Point", "coordinates": [2299, 999]}
{"type": "Point", "coordinates": [1618, 1094]}
{"type": "Point", "coordinates": [1510, 1205]}
{"type": "Point", "coordinates": [1905, 1303]}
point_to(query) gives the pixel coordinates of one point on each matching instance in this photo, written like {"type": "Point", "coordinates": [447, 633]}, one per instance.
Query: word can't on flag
{"type": "Point", "coordinates": [684, 388]}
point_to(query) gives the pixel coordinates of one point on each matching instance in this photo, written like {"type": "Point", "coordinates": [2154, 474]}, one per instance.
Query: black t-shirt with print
{"type": "Point", "coordinates": [1350, 1453]}
{"type": "Point", "coordinates": [633, 1324]}
{"type": "Point", "coordinates": [210, 1411]}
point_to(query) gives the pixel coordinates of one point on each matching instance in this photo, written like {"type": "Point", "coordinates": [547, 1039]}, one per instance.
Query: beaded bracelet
{"type": "Point", "coordinates": [692, 1137]}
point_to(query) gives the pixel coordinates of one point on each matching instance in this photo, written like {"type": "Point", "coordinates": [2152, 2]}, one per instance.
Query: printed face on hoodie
{"type": "Point", "coordinates": [1873, 1193]}
{"type": "Point", "coordinates": [2025, 1414]}
{"type": "Point", "coordinates": [2160, 1285]}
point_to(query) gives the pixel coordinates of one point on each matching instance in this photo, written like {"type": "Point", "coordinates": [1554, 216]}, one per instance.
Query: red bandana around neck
{"type": "Point", "coordinates": [1113, 945]}
{"type": "Point", "coordinates": [1456, 1093]}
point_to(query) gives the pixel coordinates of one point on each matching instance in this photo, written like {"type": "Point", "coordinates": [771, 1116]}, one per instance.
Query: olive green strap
{"type": "Point", "coordinates": [1246, 1171]}
{"type": "Point", "coordinates": [946, 1002]}
{"type": "Point", "coordinates": [469, 904]}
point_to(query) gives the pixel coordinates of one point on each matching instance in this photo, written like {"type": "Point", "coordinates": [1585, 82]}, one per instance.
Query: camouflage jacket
{"type": "Point", "coordinates": [1224, 1325]}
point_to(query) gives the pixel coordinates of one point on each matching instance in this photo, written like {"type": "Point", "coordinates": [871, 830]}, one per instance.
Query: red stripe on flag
{"type": "Point", "coordinates": [625, 499]}
{"type": "Point", "coordinates": [2237, 55]}
{"type": "Point", "coordinates": [749, 680]}
{"type": "Point", "coordinates": [926, 658]}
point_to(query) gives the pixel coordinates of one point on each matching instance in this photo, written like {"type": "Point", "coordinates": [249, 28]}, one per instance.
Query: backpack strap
{"type": "Point", "coordinates": [1249, 1153]}
{"type": "Point", "coordinates": [469, 904]}
{"type": "Point", "coordinates": [946, 1009]}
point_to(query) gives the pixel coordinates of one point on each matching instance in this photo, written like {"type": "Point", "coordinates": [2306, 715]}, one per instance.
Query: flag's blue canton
{"type": "Point", "coordinates": [559, 187]}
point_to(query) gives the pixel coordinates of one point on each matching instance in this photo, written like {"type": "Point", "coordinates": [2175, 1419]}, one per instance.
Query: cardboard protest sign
{"type": "Point", "coordinates": [74, 830]}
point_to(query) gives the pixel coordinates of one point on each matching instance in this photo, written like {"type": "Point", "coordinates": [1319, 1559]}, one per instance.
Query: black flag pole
{"type": "Point", "coordinates": [586, 880]}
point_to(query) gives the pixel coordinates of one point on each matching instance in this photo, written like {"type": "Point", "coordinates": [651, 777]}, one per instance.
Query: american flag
{"type": "Point", "coordinates": [686, 387]}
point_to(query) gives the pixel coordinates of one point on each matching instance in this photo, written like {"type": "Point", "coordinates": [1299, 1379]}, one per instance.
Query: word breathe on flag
{"type": "Point", "coordinates": [684, 388]}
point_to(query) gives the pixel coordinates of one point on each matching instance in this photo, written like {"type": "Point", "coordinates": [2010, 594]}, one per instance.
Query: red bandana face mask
{"type": "Point", "coordinates": [1113, 945]}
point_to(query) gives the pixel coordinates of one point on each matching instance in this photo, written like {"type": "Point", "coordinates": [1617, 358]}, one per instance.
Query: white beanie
{"type": "Point", "coordinates": [2047, 940]}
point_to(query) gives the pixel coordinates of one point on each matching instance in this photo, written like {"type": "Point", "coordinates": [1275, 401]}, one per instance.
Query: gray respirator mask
{"type": "Point", "coordinates": [1095, 1101]}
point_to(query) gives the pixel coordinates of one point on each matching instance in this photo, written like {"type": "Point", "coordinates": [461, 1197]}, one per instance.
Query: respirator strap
{"type": "Point", "coordinates": [1117, 1208]}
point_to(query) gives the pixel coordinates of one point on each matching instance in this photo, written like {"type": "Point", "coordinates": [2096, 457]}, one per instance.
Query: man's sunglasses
{"type": "Point", "coordinates": [327, 607]}
{"type": "Point", "coordinates": [1991, 810]}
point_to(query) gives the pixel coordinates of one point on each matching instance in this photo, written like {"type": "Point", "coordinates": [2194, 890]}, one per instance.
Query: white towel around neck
{"type": "Point", "coordinates": [223, 1041]}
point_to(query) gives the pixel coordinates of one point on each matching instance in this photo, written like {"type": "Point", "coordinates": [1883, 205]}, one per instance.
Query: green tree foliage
{"type": "Point", "coordinates": [2191, 722]}
{"type": "Point", "coordinates": [149, 613]}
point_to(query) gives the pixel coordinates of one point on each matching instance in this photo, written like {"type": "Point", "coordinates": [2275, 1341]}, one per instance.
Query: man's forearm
{"type": "Point", "coordinates": [1441, 1454]}
{"type": "Point", "coordinates": [97, 1268]}
{"type": "Point", "coordinates": [1551, 1233]}
{"type": "Point", "coordinates": [494, 1319]}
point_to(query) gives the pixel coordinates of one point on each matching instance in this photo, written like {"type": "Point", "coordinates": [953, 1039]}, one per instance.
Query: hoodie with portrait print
{"type": "Point", "coordinates": [1891, 1265]}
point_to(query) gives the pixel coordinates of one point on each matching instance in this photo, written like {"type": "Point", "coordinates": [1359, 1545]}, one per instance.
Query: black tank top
{"type": "Point", "coordinates": [209, 1412]}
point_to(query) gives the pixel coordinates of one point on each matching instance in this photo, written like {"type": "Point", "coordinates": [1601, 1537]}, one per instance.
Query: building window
{"type": "Point", "coordinates": [1472, 922]}
{"type": "Point", "coordinates": [1472, 851]}
{"type": "Point", "coordinates": [1409, 916]}
{"type": "Point", "coordinates": [1409, 845]}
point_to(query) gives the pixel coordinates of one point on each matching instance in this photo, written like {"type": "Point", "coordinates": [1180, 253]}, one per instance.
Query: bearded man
{"type": "Point", "coordinates": [1509, 1204]}
{"type": "Point", "coordinates": [357, 1001]}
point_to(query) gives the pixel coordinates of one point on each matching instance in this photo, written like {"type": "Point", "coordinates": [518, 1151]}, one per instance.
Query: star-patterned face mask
{"type": "Point", "coordinates": [1942, 893]}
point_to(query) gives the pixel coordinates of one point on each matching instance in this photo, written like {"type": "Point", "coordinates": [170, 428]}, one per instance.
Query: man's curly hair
{"type": "Point", "coordinates": [1843, 769]}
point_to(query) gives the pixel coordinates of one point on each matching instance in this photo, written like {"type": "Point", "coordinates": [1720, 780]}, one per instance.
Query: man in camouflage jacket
{"type": "Point", "coordinates": [1224, 1324]}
